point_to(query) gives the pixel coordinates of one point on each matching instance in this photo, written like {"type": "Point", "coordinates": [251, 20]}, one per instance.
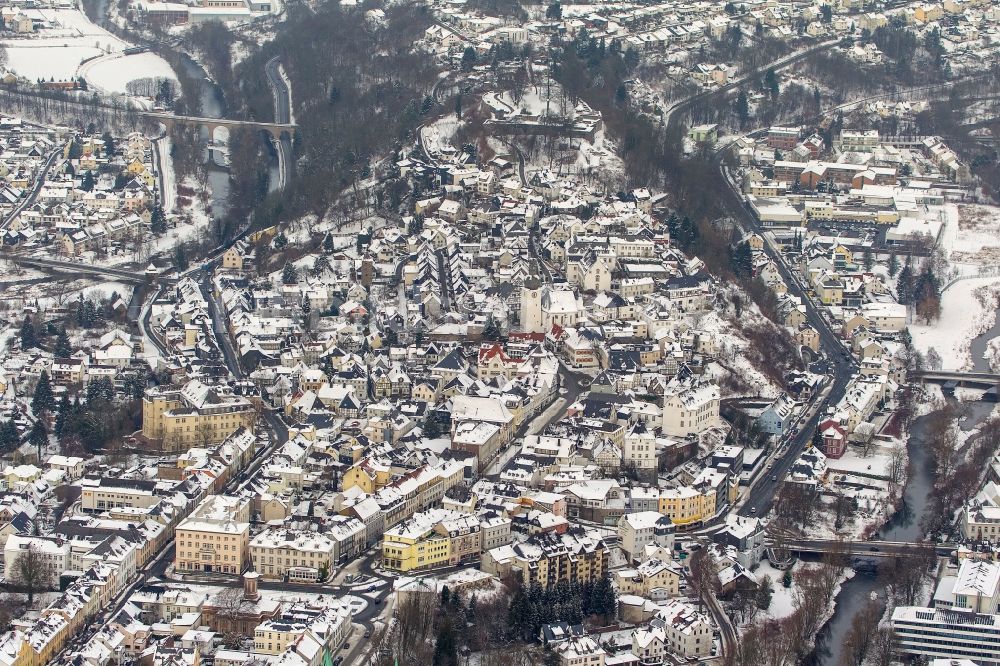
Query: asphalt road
{"type": "Point", "coordinates": [761, 497]}
{"type": "Point", "coordinates": [35, 189]}
{"type": "Point", "coordinates": [282, 114]}
{"type": "Point", "coordinates": [680, 108]}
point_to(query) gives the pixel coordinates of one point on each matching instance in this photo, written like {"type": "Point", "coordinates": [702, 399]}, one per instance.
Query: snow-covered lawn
{"type": "Point", "coordinates": [964, 315]}
{"type": "Point", "coordinates": [113, 73]}
{"type": "Point", "coordinates": [59, 49]}
{"type": "Point", "coordinates": [47, 60]}
{"type": "Point", "coordinates": [437, 135]}
{"type": "Point", "coordinates": [783, 598]}
{"type": "Point", "coordinates": [875, 465]}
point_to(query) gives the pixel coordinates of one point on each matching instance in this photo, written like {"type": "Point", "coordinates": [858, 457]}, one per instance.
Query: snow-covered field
{"type": "Point", "coordinates": [58, 51]}
{"type": "Point", "coordinates": [112, 73]}
{"type": "Point", "coordinates": [972, 236]}
{"type": "Point", "coordinates": [437, 135]}
{"type": "Point", "coordinates": [967, 311]}
{"type": "Point", "coordinates": [783, 598]}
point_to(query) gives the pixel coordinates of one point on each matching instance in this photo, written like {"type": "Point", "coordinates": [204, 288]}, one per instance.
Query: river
{"type": "Point", "coordinates": [213, 105]}
{"type": "Point", "coordinates": [904, 525]}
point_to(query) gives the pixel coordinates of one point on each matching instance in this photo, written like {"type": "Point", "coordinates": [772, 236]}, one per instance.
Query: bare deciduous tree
{"type": "Point", "coordinates": [29, 572]}
{"type": "Point", "coordinates": [860, 639]}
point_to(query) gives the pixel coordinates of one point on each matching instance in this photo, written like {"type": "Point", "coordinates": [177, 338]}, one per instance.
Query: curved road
{"type": "Point", "coordinates": [282, 114]}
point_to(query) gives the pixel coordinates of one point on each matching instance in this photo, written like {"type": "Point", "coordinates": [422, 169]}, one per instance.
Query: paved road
{"type": "Point", "coordinates": [761, 497]}
{"type": "Point", "coordinates": [574, 384]}
{"type": "Point", "coordinates": [678, 109]}
{"type": "Point", "coordinates": [132, 275]}
{"type": "Point", "coordinates": [865, 548]}
{"type": "Point", "coordinates": [282, 114]}
{"type": "Point", "coordinates": [544, 273]}
{"type": "Point", "coordinates": [35, 189]}
{"type": "Point", "coordinates": [216, 311]}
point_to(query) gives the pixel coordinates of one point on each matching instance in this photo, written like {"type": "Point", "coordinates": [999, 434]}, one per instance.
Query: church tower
{"type": "Point", "coordinates": [531, 306]}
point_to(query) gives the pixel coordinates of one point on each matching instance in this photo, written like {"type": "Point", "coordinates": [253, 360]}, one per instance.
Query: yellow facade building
{"type": "Point", "coordinates": [195, 415]}
{"type": "Point", "coordinates": [215, 537]}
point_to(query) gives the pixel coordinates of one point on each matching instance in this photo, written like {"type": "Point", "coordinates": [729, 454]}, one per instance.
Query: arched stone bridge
{"type": "Point", "coordinates": [276, 130]}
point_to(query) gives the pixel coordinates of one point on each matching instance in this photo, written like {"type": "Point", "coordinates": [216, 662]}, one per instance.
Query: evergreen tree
{"type": "Point", "coordinates": [109, 145]}
{"type": "Point", "coordinates": [328, 244]}
{"type": "Point", "coordinates": [470, 612]}
{"type": "Point", "coordinates": [468, 59]}
{"type": "Point", "coordinates": [9, 438]}
{"type": "Point", "coordinates": [38, 437]}
{"type": "Point", "coordinates": [62, 415]}
{"type": "Point", "coordinates": [63, 348]}
{"type": "Point", "coordinates": [672, 225]}
{"type": "Point", "coordinates": [893, 265]}
{"type": "Point", "coordinates": [87, 184]}
{"type": "Point", "coordinates": [43, 401]}
{"type": "Point", "coordinates": [445, 647]}
{"type": "Point", "coordinates": [606, 600]}
{"type": "Point", "coordinates": [289, 275]}
{"type": "Point", "coordinates": [741, 259]}
{"type": "Point", "coordinates": [491, 331]}
{"type": "Point", "coordinates": [28, 337]}
{"type": "Point", "coordinates": [904, 284]}
{"type": "Point", "coordinates": [554, 11]}
{"type": "Point", "coordinates": [868, 259]}
{"type": "Point", "coordinates": [742, 107]}
{"type": "Point", "coordinates": [180, 258]}
{"type": "Point", "coordinates": [158, 220]}
{"type": "Point", "coordinates": [771, 83]}
{"type": "Point", "coordinates": [280, 241]}
{"type": "Point", "coordinates": [100, 392]}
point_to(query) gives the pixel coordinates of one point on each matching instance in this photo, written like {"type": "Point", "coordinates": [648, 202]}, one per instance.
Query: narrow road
{"type": "Point", "coordinates": [761, 497]}
{"type": "Point", "coordinates": [678, 109]}
{"type": "Point", "coordinates": [282, 114]}
{"type": "Point", "coordinates": [40, 179]}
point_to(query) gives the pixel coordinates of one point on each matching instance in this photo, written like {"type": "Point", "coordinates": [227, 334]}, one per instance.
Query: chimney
{"type": "Point", "coordinates": [250, 592]}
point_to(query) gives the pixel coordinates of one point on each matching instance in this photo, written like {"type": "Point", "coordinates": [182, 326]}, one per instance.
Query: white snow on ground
{"type": "Point", "coordinates": [783, 598]}
{"type": "Point", "coordinates": [168, 196]}
{"type": "Point", "coordinates": [55, 52]}
{"type": "Point", "coordinates": [853, 462]}
{"type": "Point", "coordinates": [972, 236]}
{"type": "Point", "coordinates": [535, 102]}
{"type": "Point", "coordinates": [47, 61]}
{"type": "Point", "coordinates": [964, 316]}
{"type": "Point", "coordinates": [438, 134]}
{"type": "Point", "coordinates": [732, 357]}
{"type": "Point", "coordinates": [113, 74]}
{"type": "Point", "coordinates": [58, 50]}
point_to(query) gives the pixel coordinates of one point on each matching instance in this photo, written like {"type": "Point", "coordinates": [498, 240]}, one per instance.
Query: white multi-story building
{"type": "Point", "coordinates": [947, 634]}
{"type": "Point", "coordinates": [677, 629]}
{"type": "Point", "coordinates": [964, 622]}
{"type": "Point", "coordinates": [298, 555]}
{"type": "Point", "coordinates": [52, 553]}
{"type": "Point", "coordinates": [637, 530]}
{"type": "Point", "coordinates": [690, 407]}
{"type": "Point", "coordinates": [580, 651]}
